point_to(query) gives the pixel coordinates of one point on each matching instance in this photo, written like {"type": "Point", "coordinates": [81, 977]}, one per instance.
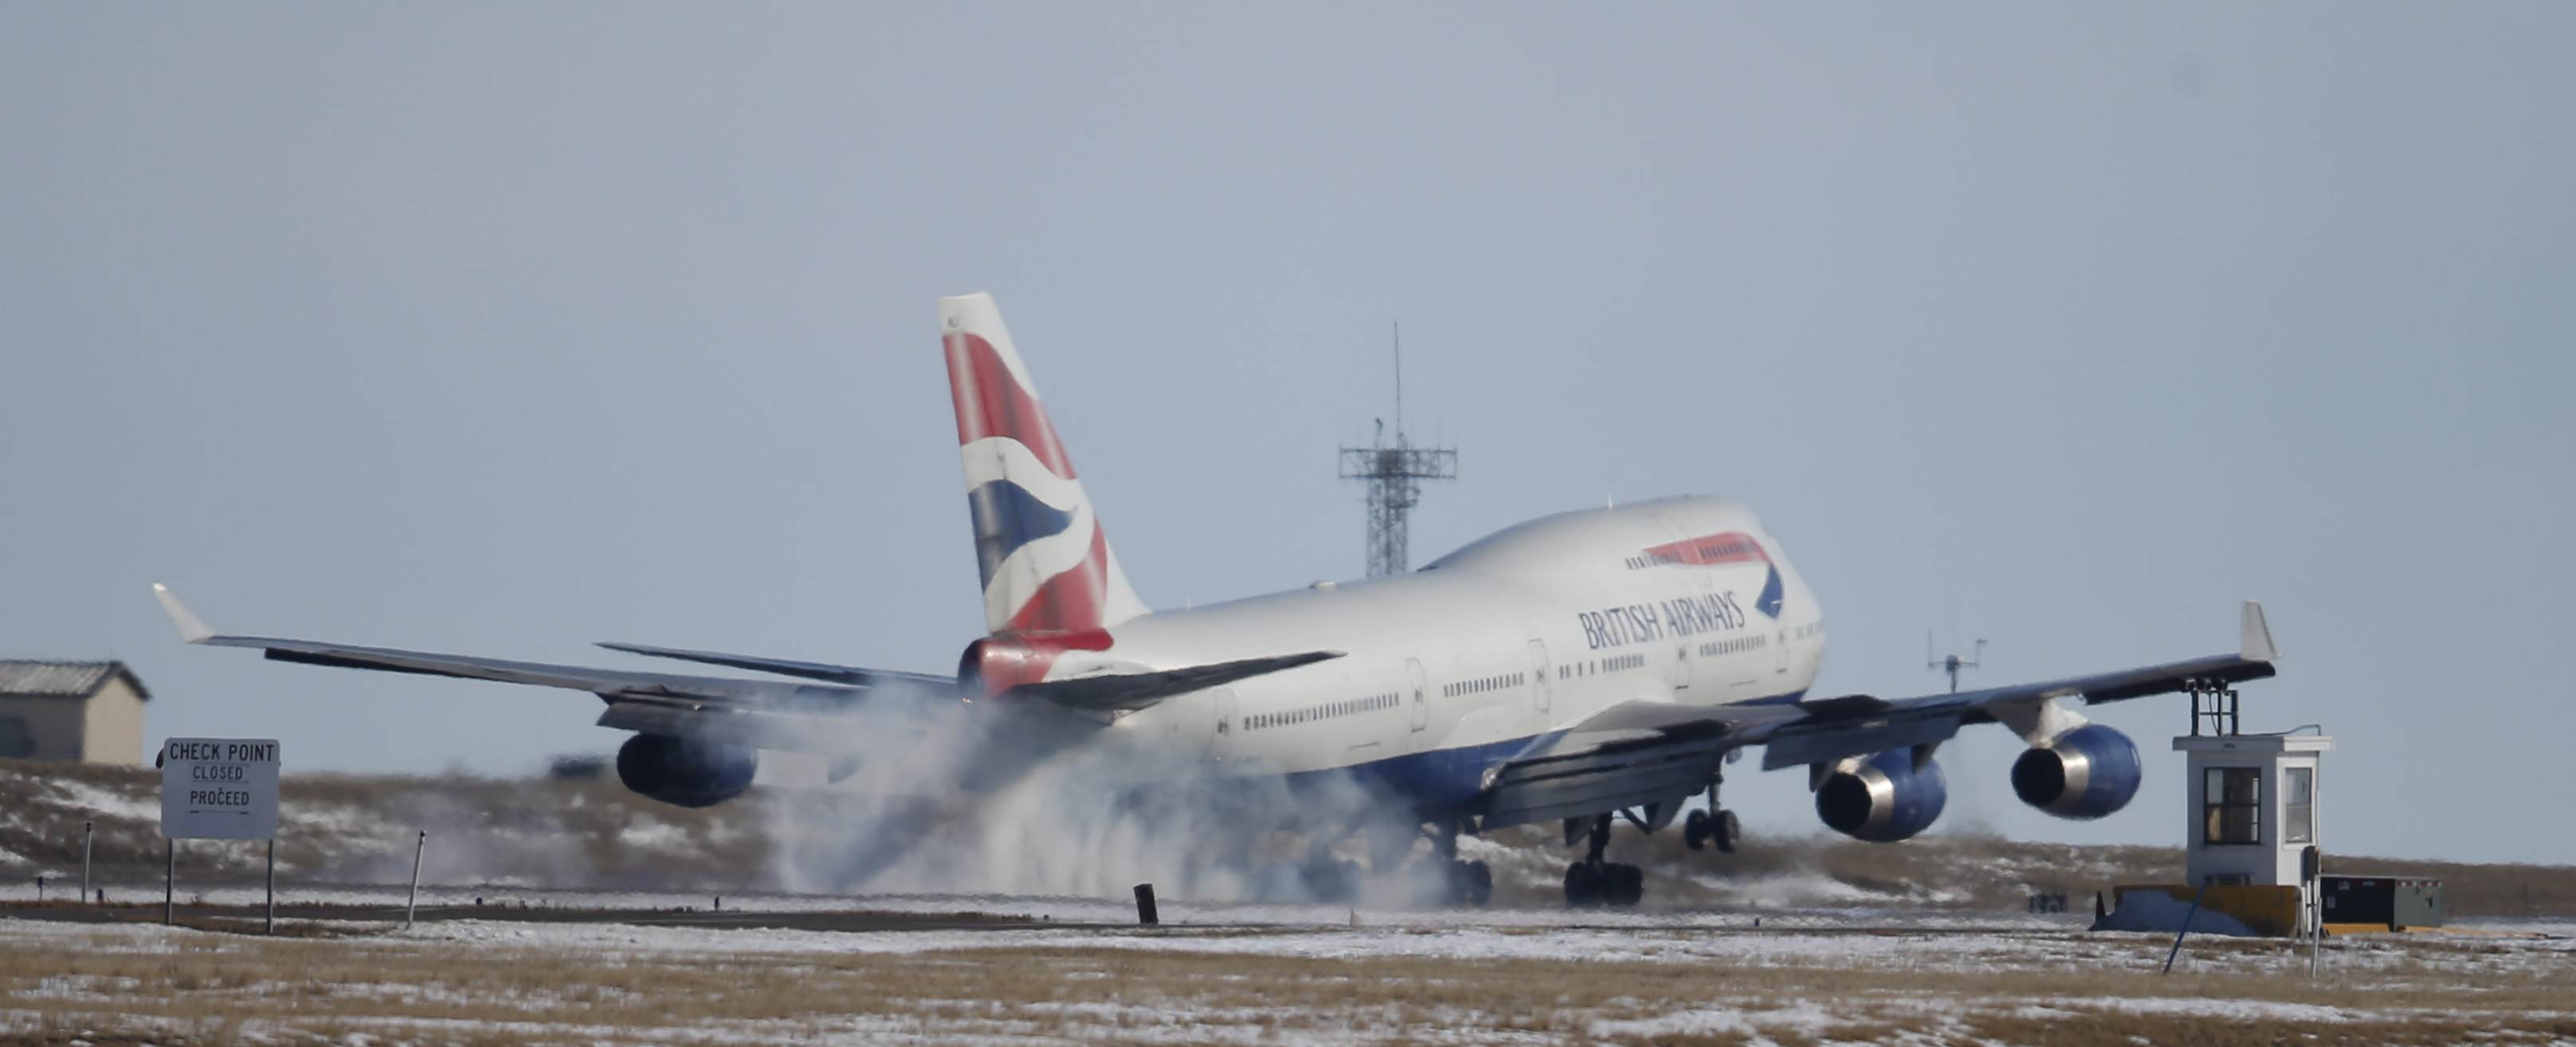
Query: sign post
{"type": "Point", "coordinates": [218, 789]}
{"type": "Point", "coordinates": [412, 905]}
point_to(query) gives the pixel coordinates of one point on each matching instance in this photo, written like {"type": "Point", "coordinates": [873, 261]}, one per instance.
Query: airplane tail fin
{"type": "Point", "coordinates": [2255, 644]}
{"type": "Point", "coordinates": [1045, 560]}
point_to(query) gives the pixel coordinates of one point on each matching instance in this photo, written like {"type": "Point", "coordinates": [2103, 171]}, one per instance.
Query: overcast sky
{"type": "Point", "coordinates": [506, 329]}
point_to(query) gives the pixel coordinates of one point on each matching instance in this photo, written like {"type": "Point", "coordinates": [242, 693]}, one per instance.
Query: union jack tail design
{"type": "Point", "coordinates": [1046, 562]}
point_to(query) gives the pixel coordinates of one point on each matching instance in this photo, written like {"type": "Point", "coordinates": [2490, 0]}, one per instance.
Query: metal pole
{"type": "Point", "coordinates": [2316, 924]}
{"type": "Point", "coordinates": [272, 885]}
{"type": "Point", "coordinates": [89, 830]}
{"type": "Point", "coordinates": [2311, 865]}
{"type": "Point", "coordinates": [2317, 937]}
{"type": "Point", "coordinates": [170, 886]}
{"type": "Point", "coordinates": [2186, 927]}
{"type": "Point", "coordinates": [414, 904]}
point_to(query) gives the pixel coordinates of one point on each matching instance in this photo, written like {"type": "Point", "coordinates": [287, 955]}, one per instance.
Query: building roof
{"type": "Point", "coordinates": [65, 679]}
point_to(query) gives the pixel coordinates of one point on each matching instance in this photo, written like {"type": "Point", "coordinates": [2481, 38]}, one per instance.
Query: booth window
{"type": "Point", "coordinates": [2298, 790]}
{"type": "Point", "coordinates": [16, 741]}
{"type": "Point", "coordinates": [2232, 805]}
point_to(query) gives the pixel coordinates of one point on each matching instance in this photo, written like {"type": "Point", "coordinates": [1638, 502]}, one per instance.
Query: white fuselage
{"type": "Point", "coordinates": [1458, 666]}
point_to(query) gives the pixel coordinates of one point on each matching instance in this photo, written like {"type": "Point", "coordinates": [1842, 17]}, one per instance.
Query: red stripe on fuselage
{"type": "Point", "coordinates": [992, 403]}
{"type": "Point", "coordinates": [1731, 547]}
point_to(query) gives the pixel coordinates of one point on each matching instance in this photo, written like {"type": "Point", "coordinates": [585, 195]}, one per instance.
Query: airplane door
{"type": "Point", "coordinates": [1421, 693]}
{"type": "Point", "coordinates": [1221, 743]}
{"type": "Point", "coordinates": [1678, 671]}
{"type": "Point", "coordinates": [1540, 675]}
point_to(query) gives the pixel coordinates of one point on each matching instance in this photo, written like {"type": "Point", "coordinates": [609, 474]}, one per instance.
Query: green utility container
{"type": "Point", "coordinates": [2397, 901]}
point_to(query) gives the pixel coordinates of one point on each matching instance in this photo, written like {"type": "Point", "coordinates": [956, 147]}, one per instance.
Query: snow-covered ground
{"type": "Point", "coordinates": [1267, 973]}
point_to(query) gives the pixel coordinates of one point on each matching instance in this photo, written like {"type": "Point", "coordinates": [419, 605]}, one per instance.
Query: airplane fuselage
{"type": "Point", "coordinates": [1455, 668]}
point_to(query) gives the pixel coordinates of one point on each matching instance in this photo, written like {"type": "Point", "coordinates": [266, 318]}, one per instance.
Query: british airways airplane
{"type": "Point", "coordinates": [1576, 668]}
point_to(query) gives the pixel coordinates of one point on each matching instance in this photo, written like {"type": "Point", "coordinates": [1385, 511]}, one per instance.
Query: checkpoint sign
{"type": "Point", "coordinates": [219, 788]}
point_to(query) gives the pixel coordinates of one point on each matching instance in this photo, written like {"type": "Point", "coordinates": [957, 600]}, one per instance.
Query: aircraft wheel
{"type": "Point", "coordinates": [1622, 885]}
{"type": "Point", "coordinates": [1725, 831]}
{"type": "Point", "coordinates": [1475, 882]}
{"type": "Point", "coordinates": [1582, 885]}
{"type": "Point", "coordinates": [1695, 830]}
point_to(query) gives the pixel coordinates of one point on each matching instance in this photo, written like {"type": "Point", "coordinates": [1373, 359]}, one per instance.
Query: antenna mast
{"type": "Point", "coordinates": [1394, 473]}
{"type": "Point", "coordinates": [1951, 663]}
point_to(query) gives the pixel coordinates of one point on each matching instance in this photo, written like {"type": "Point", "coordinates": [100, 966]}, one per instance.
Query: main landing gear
{"type": "Point", "coordinates": [1437, 879]}
{"type": "Point", "coordinates": [1457, 883]}
{"type": "Point", "coordinates": [1717, 825]}
{"type": "Point", "coordinates": [1592, 881]}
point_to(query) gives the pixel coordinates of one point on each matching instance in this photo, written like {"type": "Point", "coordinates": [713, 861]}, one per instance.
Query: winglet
{"type": "Point", "coordinates": [190, 628]}
{"type": "Point", "coordinates": [2257, 642]}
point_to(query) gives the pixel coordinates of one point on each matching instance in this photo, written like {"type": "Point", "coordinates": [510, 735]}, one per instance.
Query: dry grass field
{"type": "Point", "coordinates": [495, 984]}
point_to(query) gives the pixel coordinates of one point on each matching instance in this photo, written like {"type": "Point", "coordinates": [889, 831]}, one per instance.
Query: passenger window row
{"type": "Point", "coordinates": [1741, 643]}
{"type": "Point", "coordinates": [1313, 713]}
{"type": "Point", "coordinates": [1490, 683]}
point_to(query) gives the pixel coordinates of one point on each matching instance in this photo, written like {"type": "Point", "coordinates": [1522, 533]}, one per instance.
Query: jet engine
{"type": "Point", "coordinates": [2086, 773]}
{"type": "Point", "coordinates": [1882, 799]}
{"type": "Point", "coordinates": [685, 772]}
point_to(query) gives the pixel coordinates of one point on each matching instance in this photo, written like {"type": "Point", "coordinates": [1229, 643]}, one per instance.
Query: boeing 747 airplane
{"type": "Point", "coordinates": [1577, 668]}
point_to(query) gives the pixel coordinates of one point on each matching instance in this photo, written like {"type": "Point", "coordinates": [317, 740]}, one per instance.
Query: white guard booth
{"type": "Point", "coordinates": [2252, 807]}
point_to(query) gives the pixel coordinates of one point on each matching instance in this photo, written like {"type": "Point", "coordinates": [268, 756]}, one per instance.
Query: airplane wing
{"type": "Point", "coordinates": [765, 714]}
{"type": "Point", "coordinates": [852, 675]}
{"type": "Point", "coordinates": [1858, 725]}
{"type": "Point", "coordinates": [1631, 754]}
{"type": "Point", "coordinates": [1642, 752]}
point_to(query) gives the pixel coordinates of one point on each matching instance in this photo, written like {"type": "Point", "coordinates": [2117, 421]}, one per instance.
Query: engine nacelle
{"type": "Point", "coordinates": [2086, 773]}
{"type": "Point", "coordinates": [1883, 799]}
{"type": "Point", "coordinates": [685, 772]}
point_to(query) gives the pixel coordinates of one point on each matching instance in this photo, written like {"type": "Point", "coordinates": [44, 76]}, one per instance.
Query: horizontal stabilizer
{"type": "Point", "coordinates": [1138, 690]}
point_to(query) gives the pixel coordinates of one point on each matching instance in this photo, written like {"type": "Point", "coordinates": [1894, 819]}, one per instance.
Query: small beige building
{"type": "Point", "coordinates": [84, 712]}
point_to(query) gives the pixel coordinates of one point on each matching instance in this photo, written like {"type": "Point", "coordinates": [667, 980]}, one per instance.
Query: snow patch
{"type": "Point", "coordinates": [104, 803]}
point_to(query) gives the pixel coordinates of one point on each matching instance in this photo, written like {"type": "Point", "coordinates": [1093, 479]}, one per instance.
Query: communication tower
{"type": "Point", "coordinates": [1394, 473]}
